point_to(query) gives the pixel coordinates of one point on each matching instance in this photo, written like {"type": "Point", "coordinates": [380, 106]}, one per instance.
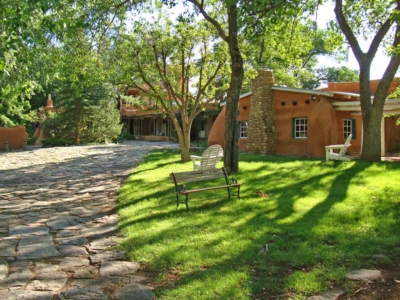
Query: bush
{"type": "Point", "coordinates": [31, 141]}
{"type": "Point", "coordinates": [56, 142]}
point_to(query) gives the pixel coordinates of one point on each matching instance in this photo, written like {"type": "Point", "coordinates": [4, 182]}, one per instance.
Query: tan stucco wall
{"type": "Point", "coordinates": [217, 132]}
{"type": "Point", "coordinates": [355, 147]}
{"type": "Point", "coordinates": [392, 135]}
{"type": "Point", "coordinates": [322, 128]}
{"type": "Point", "coordinates": [14, 135]}
{"type": "Point", "coordinates": [284, 116]}
{"type": "Point", "coordinates": [354, 87]}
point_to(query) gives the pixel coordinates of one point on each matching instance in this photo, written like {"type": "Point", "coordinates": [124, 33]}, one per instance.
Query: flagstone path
{"type": "Point", "coordinates": [58, 225]}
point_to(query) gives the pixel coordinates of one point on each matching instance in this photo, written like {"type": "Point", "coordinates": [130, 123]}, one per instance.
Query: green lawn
{"type": "Point", "coordinates": [320, 220]}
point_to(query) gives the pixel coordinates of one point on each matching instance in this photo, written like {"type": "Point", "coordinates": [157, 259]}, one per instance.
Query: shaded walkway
{"type": "Point", "coordinates": [58, 227]}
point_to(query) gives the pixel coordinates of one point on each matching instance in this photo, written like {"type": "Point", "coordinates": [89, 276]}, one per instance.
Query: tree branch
{"type": "Point", "coordinates": [344, 26]}
{"type": "Point", "coordinates": [267, 9]}
{"type": "Point", "coordinates": [217, 26]}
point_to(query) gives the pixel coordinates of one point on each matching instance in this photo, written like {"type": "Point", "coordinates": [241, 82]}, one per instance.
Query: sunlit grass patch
{"type": "Point", "coordinates": [318, 220]}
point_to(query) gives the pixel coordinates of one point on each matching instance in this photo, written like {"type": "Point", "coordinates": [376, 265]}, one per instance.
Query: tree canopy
{"type": "Point", "coordinates": [177, 66]}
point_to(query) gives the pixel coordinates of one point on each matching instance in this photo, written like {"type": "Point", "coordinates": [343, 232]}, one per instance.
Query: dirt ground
{"type": "Point", "coordinates": [386, 288]}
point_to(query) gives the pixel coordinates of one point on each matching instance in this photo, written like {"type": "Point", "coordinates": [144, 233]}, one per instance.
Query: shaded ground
{"type": "Point", "coordinates": [386, 288]}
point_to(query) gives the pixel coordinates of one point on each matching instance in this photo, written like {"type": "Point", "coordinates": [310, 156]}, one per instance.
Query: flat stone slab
{"type": "Point", "coordinates": [86, 272]}
{"type": "Point", "coordinates": [69, 263]}
{"type": "Point", "coordinates": [17, 279]}
{"type": "Point", "coordinates": [71, 250]}
{"type": "Point", "coordinates": [34, 240]}
{"type": "Point", "coordinates": [97, 283]}
{"type": "Point", "coordinates": [83, 212]}
{"type": "Point", "coordinates": [100, 231]}
{"type": "Point", "coordinates": [107, 256]}
{"type": "Point", "coordinates": [110, 268]}
{"type": "Point", "coordinates": [54, 284]}
{"type": "Point", "coordinates": [77, 240]}
{"type": "Point", "coordinates": [81, 293]}
{"type": "Point", "coordinates": [330, 295]}
{"type": "Point", "coordinates": [67, 233]}
{"type": "Point", "coordinates": [135, 291]}
{"type": "Point", "coordinates": [95, 189]}
{"type": "Point", "coordinates": [23, 230]}
{"type": "Point", "coordinates": [7, 247]}
{"type": "Point", "coordinates": [101, 245]}
{"type": "Point", "coordinates": [364, 275]}
{"type": "Point", "coordinates": [3, 269]}
{"type": "Point", "coordinates": [126, 279]}
{"type": "Point", "coordinates": [45, 268]}
{"type": "Point", "coordinates": [36, 250]}
{"type": "Point", "coordinates": [25, 295]}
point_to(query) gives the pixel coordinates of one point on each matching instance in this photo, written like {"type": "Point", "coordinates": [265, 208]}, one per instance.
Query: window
{"type": "Point", "coordinates": [243, 126]}
{"type": "Point", "coordinates": [349, 127]}
{"type": "Point", "coordinates": [299, 128]}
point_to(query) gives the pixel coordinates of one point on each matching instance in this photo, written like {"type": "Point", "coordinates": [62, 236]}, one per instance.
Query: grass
{"type": "Point", "coordinates": [320, 221]}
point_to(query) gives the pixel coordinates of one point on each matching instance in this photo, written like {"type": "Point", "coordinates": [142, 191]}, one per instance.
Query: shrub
{"type": "Point", "coordinates": [56, 142]}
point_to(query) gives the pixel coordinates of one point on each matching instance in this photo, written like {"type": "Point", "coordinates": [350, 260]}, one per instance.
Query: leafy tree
{"type": "Point", "coordinates": [80, 91]}
{"type": "Point", "coordinates": [230, 18]}
{"type": "Point", "coordinates": [290, 46]}
{"type": "Point", "coordinates": [332, 74]}
{"type": "Point", "coordinates": [379, 20]}
{"type": "Point", "coordinates": [176, 66]}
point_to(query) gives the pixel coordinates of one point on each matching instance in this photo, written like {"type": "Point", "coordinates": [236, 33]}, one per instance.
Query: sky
{"type": "Point", "coordinates": [379, 64]}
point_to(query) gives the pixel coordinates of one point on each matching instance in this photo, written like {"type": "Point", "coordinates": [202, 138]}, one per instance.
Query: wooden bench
{"type": "Point", "coordinates": [202, 175]}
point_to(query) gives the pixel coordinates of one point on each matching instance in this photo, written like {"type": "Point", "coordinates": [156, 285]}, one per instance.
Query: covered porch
{"type": "Point", "coordinates": [149, 128]}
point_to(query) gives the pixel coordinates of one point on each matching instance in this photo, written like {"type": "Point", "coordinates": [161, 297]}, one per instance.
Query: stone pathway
{"type": "Point", "coordinates": [58, 226]}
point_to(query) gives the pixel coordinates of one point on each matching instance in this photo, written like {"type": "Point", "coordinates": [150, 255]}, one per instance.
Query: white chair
{"type": "Point", "coordinates": [342, 151]}
{"type": "Point", "coordinates": [211, 156]}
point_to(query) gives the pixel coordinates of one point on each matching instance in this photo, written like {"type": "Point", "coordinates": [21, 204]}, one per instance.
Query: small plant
{"type": "Point", "coordinates": [56, 142]}
{"type": "Point", "coordinates": [30, 141]}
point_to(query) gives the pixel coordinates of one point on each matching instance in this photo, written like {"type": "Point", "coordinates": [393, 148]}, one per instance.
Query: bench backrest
{"type": "Point", "coordinates": [345, 146]}
{"type": "Point", "coordinates": [211, 156]}
{"type": "Point", "coordinates": [200, 175]}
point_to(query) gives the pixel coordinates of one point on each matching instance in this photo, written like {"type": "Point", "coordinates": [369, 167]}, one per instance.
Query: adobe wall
{"type": "Point", "coordinates": [322, 128]}
{"type": "Point", "coordinates": [392, 135]}
{"type": "Point", "coordinates": [355, 143]}
{"type": "Point", "coordinates": [354, 87]}
{"type": "Point", "coordinates": [217, 132]}
{"type": "Point", "coordinates": [262, 131]}
{"type": "Point", "coordinates": [290, 105]}
{"type": "Point", "coordinates": [14, 135]}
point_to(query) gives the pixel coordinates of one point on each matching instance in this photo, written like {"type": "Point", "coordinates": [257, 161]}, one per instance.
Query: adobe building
{"type": "Point", "coordinates": [13, 138]}
{"type": "Point", "coordinates": [301, 122]}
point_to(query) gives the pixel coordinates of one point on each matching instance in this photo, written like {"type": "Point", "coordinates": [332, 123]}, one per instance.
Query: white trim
{"type": "Point", "coordinates": [303, 91]}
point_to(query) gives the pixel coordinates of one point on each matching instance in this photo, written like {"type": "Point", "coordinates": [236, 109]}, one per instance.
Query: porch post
{"type": "Point", "coordinates": [383, 145]}
{"type": "Point", "coordinates": [141, 127]}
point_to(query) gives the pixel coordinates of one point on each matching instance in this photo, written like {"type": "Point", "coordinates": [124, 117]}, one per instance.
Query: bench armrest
{"type": "Point", "coordinates": [334, 147]}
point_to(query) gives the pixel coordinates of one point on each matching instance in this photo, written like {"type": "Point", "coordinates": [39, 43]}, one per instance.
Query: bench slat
{"type": "Point", "coordinates": [210, 188]}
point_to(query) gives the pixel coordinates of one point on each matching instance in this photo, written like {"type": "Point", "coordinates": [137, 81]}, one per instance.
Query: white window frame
{"type": "Point", "coordinates": [243, 129]}
{"type": "Point", "coordinates": [300, 128]}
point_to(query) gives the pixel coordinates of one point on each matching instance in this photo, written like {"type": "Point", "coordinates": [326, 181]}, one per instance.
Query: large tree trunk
{"type": "Point", "coordinates": [371, 116]}
{"type": "Point", "coordinates": [183, 137]}
{"type": "Point", "coordinates": [231, 155]}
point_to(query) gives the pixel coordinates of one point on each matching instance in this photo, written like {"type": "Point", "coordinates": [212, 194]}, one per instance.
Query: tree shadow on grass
{"type": "Point", "coordinates": [287, 238]}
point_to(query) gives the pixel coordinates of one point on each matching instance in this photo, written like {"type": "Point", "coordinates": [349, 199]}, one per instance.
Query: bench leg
{"type": "Point", "coordinates": [229, 192]}
{"type": "Point", "coordinates": [187, 200]}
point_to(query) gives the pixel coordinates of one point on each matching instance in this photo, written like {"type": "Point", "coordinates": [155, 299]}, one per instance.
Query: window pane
{"type": "Point", "coordinates": [300, 128]}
